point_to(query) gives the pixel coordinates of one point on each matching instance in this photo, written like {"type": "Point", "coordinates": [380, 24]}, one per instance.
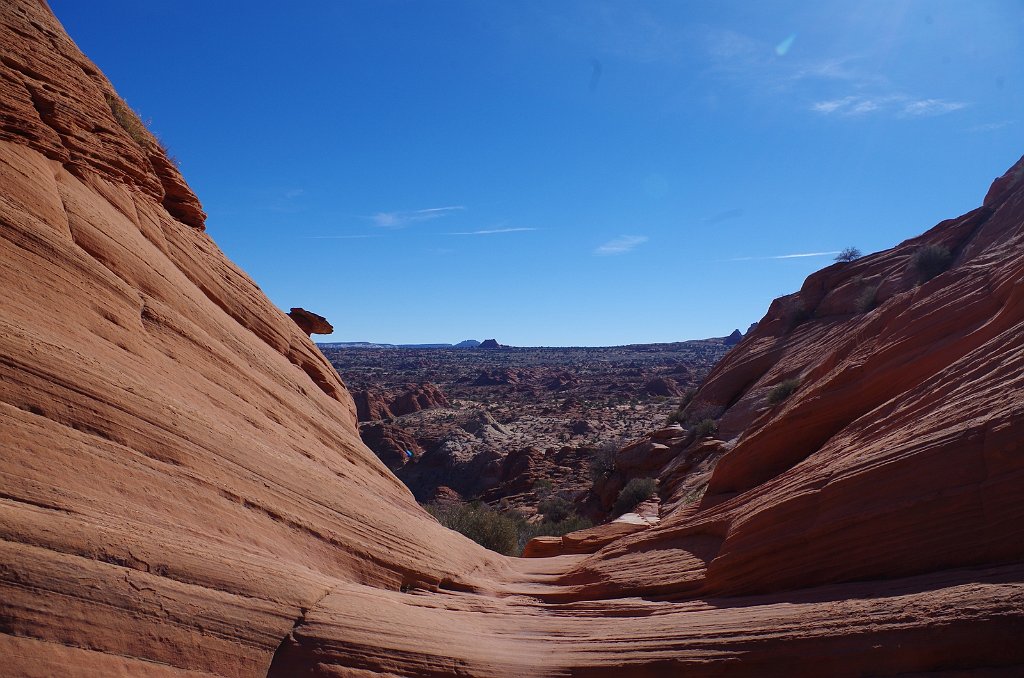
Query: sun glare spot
{"type": "Point", "coordinates": [783, 47]}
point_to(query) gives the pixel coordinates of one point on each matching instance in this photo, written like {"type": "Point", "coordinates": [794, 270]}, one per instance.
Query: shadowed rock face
{"type": "Point", "coordinates": [183, 490]}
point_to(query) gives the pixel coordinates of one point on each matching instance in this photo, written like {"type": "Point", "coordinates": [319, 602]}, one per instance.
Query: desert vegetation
{"type": "Point", "coordinates": [602, 459]}
{"type": "Point", "coordinates": [129, 120]}
{"type": "Point", "coordinates": [848, 254]}
{"type": "Point", "coordinates": [782, 391]}
{"type": "Point", "coordinates": [635, 491]}
{"type": "Point", "coordinates": [705, 427]}
{"type": "Point", "coordinates": [867, 299]}
{"type": "Point", "coordinates": [929, 261]}
{"type": "Point", "coordinates": [505, 532]}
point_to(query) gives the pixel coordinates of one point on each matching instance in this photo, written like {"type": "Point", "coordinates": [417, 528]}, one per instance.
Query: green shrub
{"type": "Point", "coordinates": [678, 417]}
{"type": "Point", "coordinates": [129, 120]}
{"type": "Point", "coordinates": [478, 521]}
{"type": "Point", "coordinates": [705, 428]}
{"type": "Point", "coordinates": [506, 533]}
{"type": "Point", "coordinates": [635, 491]}
{"type": "Point", "coordinates": [602, 459]}
{"type": "Point", "coordinates": [848, 254]}
{"type": "Point", "coordinates": [555, 509]}
{"type": "Point", "coordinates": [929, 261]}
{"type": "Point", "coordinates": [867, 299]}
{"type": "Point", "coordinates": [542, 488]}
{"type": "Point", "coordinates": [782, 391]}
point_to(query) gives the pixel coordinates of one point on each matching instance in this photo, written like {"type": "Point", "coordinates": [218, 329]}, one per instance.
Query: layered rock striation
{"type": "Point", "coordinates": [183, 490]}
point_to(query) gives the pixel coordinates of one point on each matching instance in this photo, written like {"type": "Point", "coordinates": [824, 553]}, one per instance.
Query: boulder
{"type": "Point", "coordinates": [310, 322]}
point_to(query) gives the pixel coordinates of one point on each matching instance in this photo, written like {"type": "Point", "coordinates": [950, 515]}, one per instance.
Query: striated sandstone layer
{"type": "Point", "coordinates": [183, 490]}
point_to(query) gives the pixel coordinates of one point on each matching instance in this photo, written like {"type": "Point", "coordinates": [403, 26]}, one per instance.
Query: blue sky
{"type": "Point", "coordinates": [564, 173]}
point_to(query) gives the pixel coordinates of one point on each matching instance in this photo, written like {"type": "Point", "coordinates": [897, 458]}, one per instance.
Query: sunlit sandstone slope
{"type": "Point", "coordinates": [183, 491]}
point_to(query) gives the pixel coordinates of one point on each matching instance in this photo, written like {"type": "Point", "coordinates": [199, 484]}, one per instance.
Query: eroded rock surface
{"type": "Point", "coordinates": [309, 322]}
{"type": "Point", "coordinates": [183, 490]}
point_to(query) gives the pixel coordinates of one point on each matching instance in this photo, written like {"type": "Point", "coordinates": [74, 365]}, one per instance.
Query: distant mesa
{"type": "Point", "coordinates": [309, 322]}
{"type": "Point", "coordinates": [468, 343]}
{"type": "Point", "coordinates": [733, 338]}
{"type": "Point", "coordinates": [490, 343]}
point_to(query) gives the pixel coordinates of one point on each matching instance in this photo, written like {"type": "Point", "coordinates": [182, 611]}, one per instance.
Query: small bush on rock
{"type": "Point", "coordinates": [505, 532]}
{"type": "Point", "coordinates": [478, 521]}
{"type": "Point", "coordinates": [705, 428]}
{"type": "Point", "coordinates": [129, 120]}
{"type": "Point", "coordinates": [555, 509]}
{"type": "Point", "coordinates": [602, 459]}
{"type": "Point", "coordinates": [678, 417]}
{"type": "Point", "coordinates": [782, 391]}
{"type": "Point", "coordinates": [929, 261]}
{"type": "Point", "coordinates": [848, 254]}
{"type": "Point", "coordinates": [635, 491]}
{"type": "Point", "coordinates": [867, 299]}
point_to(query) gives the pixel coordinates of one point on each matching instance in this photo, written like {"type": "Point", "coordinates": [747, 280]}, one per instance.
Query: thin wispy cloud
{"type": "Point", "coordinates": [492, 231]}
{"type": "Point", "coordinates": [402, 219]}
{"type": "Point", "coordinates": [899, 105]}
{"type": "Point", "coordinates": [722, 216]}
{"type": "Point", "coordinates": [990, 126]}
{"type": "Point", "coordinates": [620, 245]}
{"type": "Point", "coordinates": [799, 255]}
{"type": "Point", "coordinates": [341, 237]}
{"type": "Point", "coordinates": [932, 107]}
{"type": "Point", "coordinates": [773, 70]}
{"type": "Point", "coordinates": [838, 69]}
{"type": "Point", "coordinates": [294, 193]}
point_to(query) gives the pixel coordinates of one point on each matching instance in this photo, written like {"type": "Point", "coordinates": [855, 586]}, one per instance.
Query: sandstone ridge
{"type": "Point", "coordinates": [183, 490]}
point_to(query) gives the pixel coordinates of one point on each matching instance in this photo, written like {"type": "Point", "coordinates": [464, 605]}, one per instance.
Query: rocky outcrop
{"type": "Point", "coordinates": [394, 445]}
{"type": "Point", "coordinates": [417, 398]}
{"type": "Point", "coordinates": [489, 344]}
{"type": "Point", "coordinates": [372, 405]}
{"type": "Point", "coordinates": [734, 338]}
{"type": "Point", "coordinates": [310, 322]}
{"type": "Point", "coordinates": [663, 386]}
{"type": "Point", "coordinates": [895, 452]}
{"type": "Point", "coordinates": [501, 377]}
{"type": "Point", "coordinates": [183, 491]}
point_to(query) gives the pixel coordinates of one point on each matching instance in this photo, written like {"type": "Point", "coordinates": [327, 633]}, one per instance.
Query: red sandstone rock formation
{"type": "Point", "coordinates": [183, 491]}
{"type": "Point", "coordinates": [309, 322]}
{"type": "Point", "coordinates": [418, 397]}
{"type": "Point", "coordinates": [662, 386]}
{"type": "Point", "coordinates": [373, 405]}
{"type": "Point", "coordinates": [394, 445]}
